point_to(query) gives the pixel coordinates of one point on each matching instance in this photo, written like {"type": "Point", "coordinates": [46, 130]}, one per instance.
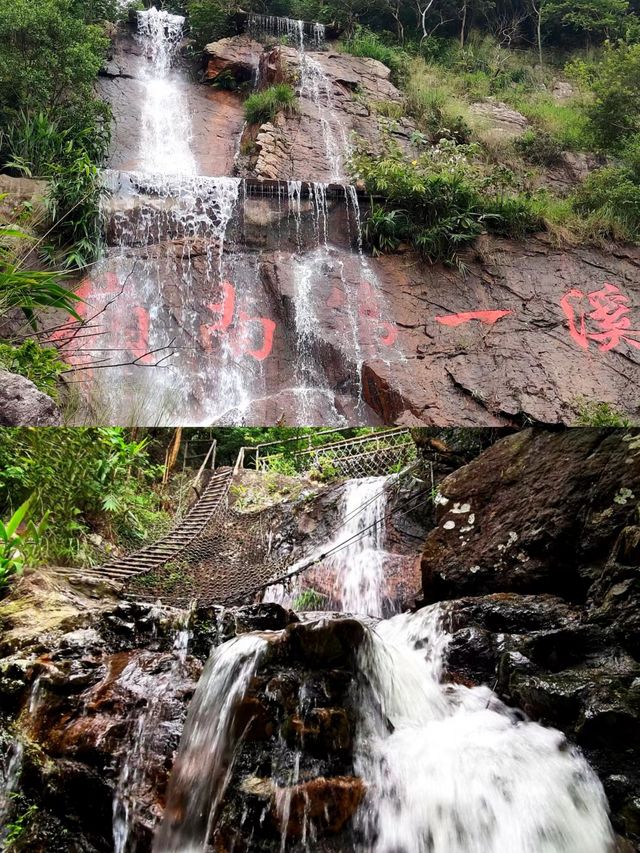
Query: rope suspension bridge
{"type": "Point", "coordinates": [218, 555]}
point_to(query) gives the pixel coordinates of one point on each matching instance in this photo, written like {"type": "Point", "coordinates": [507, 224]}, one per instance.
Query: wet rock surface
{"type": "Point", "coordinates": [549, 617]}
{"type": "Point", "coordinates": [105, 703]}
{"type": "Point", "coordinates": [555, 635]}
{"type": "Point", "coordinates": [217, 114]}
{"type": "Point", "coordinates": [519, 337]}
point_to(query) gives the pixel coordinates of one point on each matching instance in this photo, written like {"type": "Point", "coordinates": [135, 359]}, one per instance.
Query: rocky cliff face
{"type": "Point", "coordinates": [536, 551]}
{"type": "Point", "coordinates": [98, 701]}
{"type": "Point", "coordinates": [268, 270]}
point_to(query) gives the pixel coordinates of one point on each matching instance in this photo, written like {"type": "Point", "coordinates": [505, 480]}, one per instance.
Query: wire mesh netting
{"type": "Point", "coordinates": [370, 455]}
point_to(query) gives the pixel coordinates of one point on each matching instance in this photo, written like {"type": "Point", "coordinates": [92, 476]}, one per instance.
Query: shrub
{"type": "Point", "coordinates": [441, 201]}
{"type": "Point", "coordinates": [611, 197]}
{"type": "Point", "coordinates": [41, 365]}
{"type": "Point", "coordinates": [539, 148]}
{"type": "Point", "coordinates": [615, 111]}
{"type": "Point", "coordinates": [28, 289]}
{"type": "Point", "coordinates": [73, 202]}
{"type": "Point", "coordinates": [383, 230]}
{"type": "Point", "coordinates": [310, 599]}
{"type": "Point", "coordinates": [264, 106]}
{"type": "Point", "coordinates": [19, 536]}
{"type": "Point", "coordinates": [599, 415]}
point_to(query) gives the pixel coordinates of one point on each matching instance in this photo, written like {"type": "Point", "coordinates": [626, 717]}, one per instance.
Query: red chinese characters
{"type": "Point", "coordinates": [607, 323]}
{"type": "Point", "coordinates": [252, 336]}
{"type": "Point", "coordinates": [373, 328]}
{"type": "Point", "coordinates": [489, 317]}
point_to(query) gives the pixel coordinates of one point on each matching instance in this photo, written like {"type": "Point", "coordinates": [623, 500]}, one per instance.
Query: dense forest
{"type": "Point", "coordinates": [571, 69]}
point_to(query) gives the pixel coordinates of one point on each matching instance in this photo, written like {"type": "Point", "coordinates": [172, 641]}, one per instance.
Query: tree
{"type": "Point", "coordinates": [46, 53]}
{"type": "Point", "coordinates": [589, 18]}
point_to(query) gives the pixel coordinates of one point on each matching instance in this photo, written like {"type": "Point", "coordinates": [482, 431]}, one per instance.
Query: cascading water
{"type": "Point", "coordinates": [451, 769]}
{"type": "Point", "coordinates": [204, 762]}
{"type": "Point", "coordinates": [166, 123]}
{"type": "Point", "coordinates": [171, 310]}
{"type": "Point", "coordinates": [295, 31]}
{"type": "Point", "coordinates": [137, 754]}
{"type": "Point", "coordinates": [353, 575]}
{"type": "Point", "coordinates": [448, 769]}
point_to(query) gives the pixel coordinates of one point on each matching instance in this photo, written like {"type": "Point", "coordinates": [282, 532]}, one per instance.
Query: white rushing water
{"type": "Point", "coordinates": [354, 573]}
{"type": "Point", "coordinates": [297, 33]}
{"type": "Point", "coordinates": [447, 768]}
{"type": "Point", "coordinates": [166, 123]}
{"type": "Point", "coordinates": [204, 762]}
{"type": "Point", "coordinates": [451, 769]}
{"type": "Point", "coordinates": [358, 564]}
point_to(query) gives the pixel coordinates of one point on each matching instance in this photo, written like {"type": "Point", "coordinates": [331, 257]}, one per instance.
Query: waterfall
{"type": "Point", "coordinates": [166, 123]}
{"type": "Point", "coordinates": [447, 768]}
{"type": "Point", "coordinates": [204, 762]}
{"type": "Point", "coordinates": [316, 85]}
{"type": "Point", "coordinates": [451, 769]}
{"type": "Point", "coordinates": [354, 572]}
{"type": "Point", "coordinates": [359, 562]}
{"type": "Point", "coordinates": [296, 32]}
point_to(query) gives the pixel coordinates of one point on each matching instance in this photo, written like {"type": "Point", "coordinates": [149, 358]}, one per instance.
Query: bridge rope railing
{"type": "Point", "coordinates": [373, 454]}
{"type": "Point", "coordinates": [240, 554]}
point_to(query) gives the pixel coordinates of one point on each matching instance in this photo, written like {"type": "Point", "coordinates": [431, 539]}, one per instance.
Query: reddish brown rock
{"type": "Point", "coordinates": [329, 803]}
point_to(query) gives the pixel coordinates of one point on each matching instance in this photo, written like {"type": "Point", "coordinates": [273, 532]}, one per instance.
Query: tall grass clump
{"type": "Point", "coordinates": [264, 106]}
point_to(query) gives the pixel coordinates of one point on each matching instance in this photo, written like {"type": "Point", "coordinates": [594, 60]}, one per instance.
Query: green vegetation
{"type": "Point", "coordinates": [310, 599]}
{"type": "Point", "coordinates": [41, 365]}
{"type": "Point", "coordinates": [265, 105]}
{"type": "Point", "coordinates": [446, 200]}
{"type": "Point", "coordinates": [15, 829]}
{"type": "Point", "coordinates": [53, 127]}
{"type": "Point", "coordinates": [24, 288]}
{"type": "Point", "coordinates": [88, 481]}
{"type": "Point", "coordinates": [599, 415]}
{"type": "Point", "coordinates": [209, 21]}
{"type": "Point", "coordinates": [19, 538]}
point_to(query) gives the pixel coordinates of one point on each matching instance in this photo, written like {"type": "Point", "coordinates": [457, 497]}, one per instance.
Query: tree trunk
{"type": "Point", "coordinates": [463, 25]}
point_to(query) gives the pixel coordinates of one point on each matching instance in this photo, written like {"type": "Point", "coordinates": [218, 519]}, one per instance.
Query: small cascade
{"type": "Point", "coordinates": [446, 768]}
{"type": "Point", "coordinates": [12, 762]}
{"type": "Point", "coordinates": [204, 762]}
{"type": "Point", "coordinates": [451, 769]}
{"type": "Point", "coordinates": [10, 773]}
{"type": "Point", "coordinates": [297, 33]}
{"type": "Point", "coordinates": [137, 757]}
{"type": "Point", "coordinates": [316, 85]}
{"type": "Point", "coordinates": [358, 563]}
{"type": "Point", "coordinates": [353, 575]}
{"type": "Point", "coordinates": [151, 208]}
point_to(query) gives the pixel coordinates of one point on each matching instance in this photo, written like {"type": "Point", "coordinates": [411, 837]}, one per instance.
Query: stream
{"type": "Point", "coordinates": [447, 768]}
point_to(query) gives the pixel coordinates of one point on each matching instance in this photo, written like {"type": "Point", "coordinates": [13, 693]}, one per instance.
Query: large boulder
{"type": "Point", "coordinates": [540, 511]}
{"type": "Point", "coordinates": [21, 404]}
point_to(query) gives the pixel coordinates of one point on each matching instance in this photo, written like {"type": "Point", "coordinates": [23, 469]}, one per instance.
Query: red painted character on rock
{"type": "Point", "coordinates": [252, 336]}
{"type": "Point", "coordinates": [606, 324]}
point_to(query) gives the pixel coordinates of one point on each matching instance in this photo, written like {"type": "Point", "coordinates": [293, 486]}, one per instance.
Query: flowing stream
{"type": "Point", "coordinates": [448, 768]}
